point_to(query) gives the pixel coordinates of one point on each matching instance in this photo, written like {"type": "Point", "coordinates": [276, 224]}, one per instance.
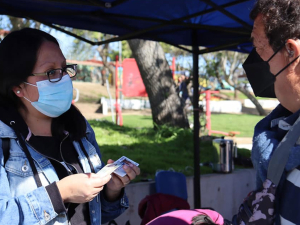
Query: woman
{"type": "Point", "coordinates": [50, 174]}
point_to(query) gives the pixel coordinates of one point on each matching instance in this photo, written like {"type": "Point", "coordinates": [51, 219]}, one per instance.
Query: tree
{"type": "Point", "coordinates": [105, 52]}
{"type": "Point", "coordinates": [224, 65]}
{"type": "Point", "coordinates": [84, 51]}
{"type": "Point", "coordinates": [19, 23]}
{"type": "Point", "coordinates": [167, 107]}
{"type": "Point", "coordinates": [233, 60]}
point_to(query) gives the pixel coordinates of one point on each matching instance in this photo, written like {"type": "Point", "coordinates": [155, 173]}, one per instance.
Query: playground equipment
{"type": "Point", "coordinates": [208, 113]}
{"type": "Point", "coordinates": [208, 117]}
{"type": "Point", "coordinates": [130, 83]}
{"type": "Point", "coordinates": [205, 119]}
{"type": "Point", "coordinates": [119, 118]}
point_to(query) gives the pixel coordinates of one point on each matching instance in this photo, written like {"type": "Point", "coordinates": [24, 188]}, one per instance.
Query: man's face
{"type": "Point", "coordinates": [263, 48]}
{"type": "Point", "coordinates": [284, 84]}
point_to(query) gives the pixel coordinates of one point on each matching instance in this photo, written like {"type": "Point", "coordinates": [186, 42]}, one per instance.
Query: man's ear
{"type": "Point", "coordinates": [292, 48]}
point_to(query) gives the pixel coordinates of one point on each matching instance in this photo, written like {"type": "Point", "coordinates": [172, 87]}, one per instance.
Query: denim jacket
{"type": "Point", "coordinates": [21, 202]}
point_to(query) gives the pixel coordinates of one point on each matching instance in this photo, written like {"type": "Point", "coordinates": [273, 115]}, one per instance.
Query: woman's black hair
{"type": "Point", "coordinates": [18, 56]}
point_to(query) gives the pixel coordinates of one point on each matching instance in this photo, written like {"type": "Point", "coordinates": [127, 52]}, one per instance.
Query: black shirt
{"type": "Point", "coordinates": [64, 158]}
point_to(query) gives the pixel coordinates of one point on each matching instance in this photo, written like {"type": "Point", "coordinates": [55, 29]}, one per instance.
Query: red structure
{"type": "Point", "coordinates": [208, 113]}
{"type": "Point", "coordinates": [208, 116]}
{"type": "Point", "coordinates": [173, 67]}
{"type": "Point", "coordinates": [119, 118]}
{"type": "Point", "coordinates": [133, 85]}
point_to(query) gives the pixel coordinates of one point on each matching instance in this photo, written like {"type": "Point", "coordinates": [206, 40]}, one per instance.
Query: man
{"type": "Point", "coordinates": [183, 90]}
{"type": "Point", "coordinates": [273, 71]}
{"type": "Point", "coordinates": [103, 76]}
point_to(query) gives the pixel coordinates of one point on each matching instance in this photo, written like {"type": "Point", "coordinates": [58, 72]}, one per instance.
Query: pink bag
{"type": "Point", "coordinates": [184, 217]}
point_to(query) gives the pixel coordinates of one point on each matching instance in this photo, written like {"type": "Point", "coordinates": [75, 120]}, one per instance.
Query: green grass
{"type": "Point", "coordinates": [137, 121]}
{"type": "Point", "coordinates": [235, 122]}
{"type": "Point", "coordinates": [221, 122]}
{"type": "Point", "coordinates": [240, 96]}
{"type": "Point", "coordinates": [162, 149]}
{"type": "Point", "coordinates": [153, 150]}
{"type": "Point", "coordinates": [231, 95]}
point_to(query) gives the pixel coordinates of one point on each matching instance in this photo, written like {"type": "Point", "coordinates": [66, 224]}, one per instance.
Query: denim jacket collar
{"type": "Point", "coordinates": [6, 131]}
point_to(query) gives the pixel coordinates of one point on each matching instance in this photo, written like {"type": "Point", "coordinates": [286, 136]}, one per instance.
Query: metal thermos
{"type": "Point", "coordinates": [224, 152]}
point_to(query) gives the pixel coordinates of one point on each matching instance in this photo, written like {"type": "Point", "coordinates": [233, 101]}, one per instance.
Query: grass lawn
{"type": "Point", "coordinates": [162, 149]}
{"type": "Point", "coordinates": [137, 121]}
{"type": "Point", "coordinates": [153, 150]}
{"type": "Point", "coordinates": [240, 96]}
{"type": "Point", "coordinates": [221, 122]}
{"type": "Point", "coordinates": [231, 94]}
{"type": "Point", "coordinates": [235, 122]}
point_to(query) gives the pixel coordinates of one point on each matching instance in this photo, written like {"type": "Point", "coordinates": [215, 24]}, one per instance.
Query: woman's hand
{"type": "Point", "coordinates": [81, 188]}
{"type": "Point", "coordinates": [114, 186]}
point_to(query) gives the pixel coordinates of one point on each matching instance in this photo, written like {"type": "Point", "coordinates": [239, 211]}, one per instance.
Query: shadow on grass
{"type": "Point", "coordinates": [110, 126]}
{"type": "Point", "coordinates": [165, 148]}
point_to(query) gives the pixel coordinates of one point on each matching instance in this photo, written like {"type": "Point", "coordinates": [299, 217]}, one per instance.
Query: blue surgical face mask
{"type": "Point", "coordinates": [54, 98]}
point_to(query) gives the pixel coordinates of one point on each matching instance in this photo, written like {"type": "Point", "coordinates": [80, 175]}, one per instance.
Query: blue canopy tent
{"type": "Point", "coordinates": [213, 24]}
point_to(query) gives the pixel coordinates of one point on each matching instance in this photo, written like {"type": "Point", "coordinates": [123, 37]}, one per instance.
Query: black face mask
{"type": "Point", "coordinates": [259, 75]}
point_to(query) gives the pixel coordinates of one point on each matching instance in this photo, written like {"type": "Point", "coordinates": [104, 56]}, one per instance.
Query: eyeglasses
{"type": "Point", "coordinates": [55, 75]}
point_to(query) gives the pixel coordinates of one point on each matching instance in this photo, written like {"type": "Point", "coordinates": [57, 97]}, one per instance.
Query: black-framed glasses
{"type": "Point", "coordinates": [55, 75]}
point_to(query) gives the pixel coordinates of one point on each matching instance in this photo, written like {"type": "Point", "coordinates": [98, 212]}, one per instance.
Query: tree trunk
{"type": "Point", "coordinates": [103, 52]}
{"type": "Point", "coordinates": [235, 94]}
{"type": "Point", "coordinates": [259, 108]}
{"type": "Point", "coordinates": [166, 106]}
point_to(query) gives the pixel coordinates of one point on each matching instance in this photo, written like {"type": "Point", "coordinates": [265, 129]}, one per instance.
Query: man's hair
{"type": "Point", "coordinates": [281, 19]}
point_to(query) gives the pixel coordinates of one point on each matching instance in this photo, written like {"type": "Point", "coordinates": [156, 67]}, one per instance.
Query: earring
{"type": "Point", "coordinates": [291, 53]}
{"type": "Point", "coordinates": [18, 92]}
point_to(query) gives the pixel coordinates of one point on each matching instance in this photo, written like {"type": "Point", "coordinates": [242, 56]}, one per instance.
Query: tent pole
{"type": "Point", "coordinates": [197, 191]}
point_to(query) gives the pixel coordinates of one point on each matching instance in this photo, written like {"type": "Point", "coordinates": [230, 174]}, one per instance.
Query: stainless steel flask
{"type": "Point", "coordinates": [224, 152]}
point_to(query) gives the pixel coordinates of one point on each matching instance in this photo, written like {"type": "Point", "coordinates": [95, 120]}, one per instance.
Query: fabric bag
{"type": "Point", "coordinates": [259, 206]}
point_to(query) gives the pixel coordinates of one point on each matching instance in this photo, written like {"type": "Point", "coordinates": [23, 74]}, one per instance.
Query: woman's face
{"type": "Point", "coordinates": [49, 57]}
